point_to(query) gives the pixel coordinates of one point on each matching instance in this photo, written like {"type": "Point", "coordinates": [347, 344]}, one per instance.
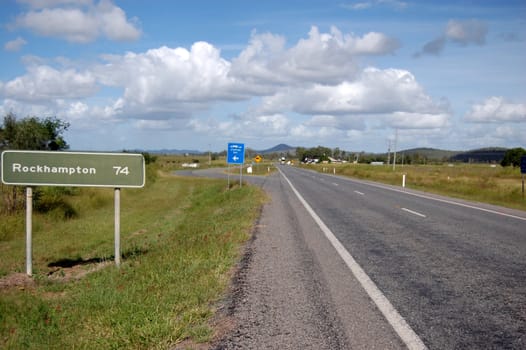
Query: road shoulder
{"type": "Point", "coordinates": [292, 291]}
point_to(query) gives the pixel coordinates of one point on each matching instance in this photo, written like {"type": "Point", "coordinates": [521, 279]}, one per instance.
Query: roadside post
{"type": "Point", "coordinates": [76, 169]}
{"type": "Point", "coordinates": [523, 171]}
{"type": "Point", "coordinates": [236, 155]}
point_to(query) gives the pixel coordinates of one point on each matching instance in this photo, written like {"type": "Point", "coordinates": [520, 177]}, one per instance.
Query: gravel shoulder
{"type": "Point", "coordinates": [292, 291]}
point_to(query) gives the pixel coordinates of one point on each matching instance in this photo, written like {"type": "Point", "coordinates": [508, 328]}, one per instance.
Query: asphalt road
{"type": "Point", "coordinates": [453, 271]}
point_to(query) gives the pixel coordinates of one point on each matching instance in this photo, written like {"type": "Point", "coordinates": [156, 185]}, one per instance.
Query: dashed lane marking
{"type": "Point", "coordinates": [400, 326]}
{"type": "Point", "coordinates": [413, 212]}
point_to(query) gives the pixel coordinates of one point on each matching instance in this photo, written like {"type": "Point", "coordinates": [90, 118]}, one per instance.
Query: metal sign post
{"type": "Point", "coordinates": [29, 231]}
{"type": "Point", "coordinates": [34, 168]}
{"type": "Point", "coordinates": [236, 155]}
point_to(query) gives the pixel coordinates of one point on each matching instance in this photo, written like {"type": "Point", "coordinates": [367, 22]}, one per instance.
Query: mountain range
{"type": "Point", "coordinates": [489, 154]}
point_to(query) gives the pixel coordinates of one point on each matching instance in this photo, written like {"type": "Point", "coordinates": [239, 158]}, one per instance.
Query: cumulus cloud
{"type": "Point", "coordinates": [168, 80]}
{"type": "Point", "coordinates": [323, 58]}
{"type": "Point", "coordinates": [78, 21]}
{"type": "Point", "coordinates": [43, 83]}
{"type": "Point", "coordinates": [497, 110]}
{"type": "Point", "coordinates": [15, 45]}
{"type": "Point", "coordinates": [374, 91]}
{"type": "Point", "coordinates": [464, 33]}
{"type": "Point", "coordinates": [315, 85]}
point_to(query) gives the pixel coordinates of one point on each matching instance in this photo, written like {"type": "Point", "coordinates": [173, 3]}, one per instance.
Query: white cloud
{"type": "Point", "coordinates": [80, 22]}
{"type": "Point", "coordinates": [324, 58]}
{"type": "Point", "coordinates": [404, 120]}
{"type": "Point", "coordinates": [43, 83]}
{"type": "Point", "coordinates": [464, 32]}
{"type": "Point", "coordinates": [467, 32]}
{"type": "Point", "coordinates": [52, 3]}
{"type": "Point", "coordinates": [15, 45]}
{"type": "Point", "coordinates": [375, 91]}
{"type": "Point", "coordinates": [496, 110]}
{"type": "Point", "coordinates": [315, 85]}
{"type": "Point", "coordinates": [341, 122]}
{"type": "Point", "coordinates": [170, 80]}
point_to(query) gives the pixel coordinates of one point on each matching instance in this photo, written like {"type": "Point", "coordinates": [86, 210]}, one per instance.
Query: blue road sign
{"type": "Point", "coordinates": [523, 165]}
{"type": "Point", "coordinates": [235, 153]}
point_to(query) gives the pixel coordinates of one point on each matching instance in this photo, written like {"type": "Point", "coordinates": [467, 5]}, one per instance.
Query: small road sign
{"type": "Point", "coordinates": [34, 168]}
{"type": "Point", "coordinates": [523, 165]}
{"type": "Point", "coordinates": [236, 153]}
{"type": "Point", "coordinates": [258, 158]}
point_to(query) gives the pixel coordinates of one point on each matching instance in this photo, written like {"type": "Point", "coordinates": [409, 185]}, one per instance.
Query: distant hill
{"type": "Point", "coordinates": [175, 151]}
{"type": "Point", "coordinates": [482, 155]}
{"type": "Point", "coordinates": [281, 148]}
{"type": "Point", "coordinates": [430, 153]}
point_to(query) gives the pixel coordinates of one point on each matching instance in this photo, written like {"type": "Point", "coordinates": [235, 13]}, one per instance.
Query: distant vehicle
{"type": "Point", "coordinates": [282, 160]}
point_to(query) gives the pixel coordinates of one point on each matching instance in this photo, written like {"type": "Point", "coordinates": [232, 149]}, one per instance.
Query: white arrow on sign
{"type": "Point", "coordinates": [235, 158]}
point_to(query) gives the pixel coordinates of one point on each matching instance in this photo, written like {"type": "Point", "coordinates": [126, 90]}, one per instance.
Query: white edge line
{"type": "Point", "coordinates": [360, 193]}
{"type": "Point", "coordinates": [413, 212]}
{"type": "Point", "coordinates": [400, 326]}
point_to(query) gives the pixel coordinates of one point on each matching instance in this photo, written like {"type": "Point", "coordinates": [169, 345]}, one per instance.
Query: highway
{"type": "Point", "coordinates": [454, 271]}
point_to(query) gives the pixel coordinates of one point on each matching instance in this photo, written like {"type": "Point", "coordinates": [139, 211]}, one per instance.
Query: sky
{"type": "Point", "coordinates": [364, 75]}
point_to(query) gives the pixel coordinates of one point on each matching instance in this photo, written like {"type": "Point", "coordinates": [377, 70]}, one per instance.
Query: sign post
{"type": "Point", "coordinates": [42, 168]}
{"type": "Point", "coordinates": [29, 230]}
{"type": "Point", "coordinates": [236, 155]}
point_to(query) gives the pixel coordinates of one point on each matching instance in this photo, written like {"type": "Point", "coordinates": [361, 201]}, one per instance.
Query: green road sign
{"type": "Point", "coordinates": [36, 168]}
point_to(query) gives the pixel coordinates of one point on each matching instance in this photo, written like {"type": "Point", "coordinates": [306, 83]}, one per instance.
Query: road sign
{"type": "Point", "coordinates": [258, 158]}
{"type": "Point", "coordinates": [236, 153]}
{"type": "Point", "coordinates": [43, 168]}
{"type": "Point", "coordinates": [523, 165]}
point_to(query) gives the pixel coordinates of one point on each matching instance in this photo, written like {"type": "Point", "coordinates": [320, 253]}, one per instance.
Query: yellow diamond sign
{"type": "Point", "coordinates": [258, 158]}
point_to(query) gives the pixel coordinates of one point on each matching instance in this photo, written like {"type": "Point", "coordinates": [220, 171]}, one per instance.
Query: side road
{"type": "Point", "coordinates": [293, 291]}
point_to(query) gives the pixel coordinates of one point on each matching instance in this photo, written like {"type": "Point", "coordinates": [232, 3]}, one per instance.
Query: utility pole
{"type": "Point", "coordinates": [394, 153]}
{"type": "Point", "coordinates": [388, 152]}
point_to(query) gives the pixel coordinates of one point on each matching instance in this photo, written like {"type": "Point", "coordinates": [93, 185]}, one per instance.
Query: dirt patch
{"type": "Point", "coordinates": [16, 280]}
{"type": "Point", "coordinates": [58, 274]}
{"type": "Point", "coordinates": [76, 272]}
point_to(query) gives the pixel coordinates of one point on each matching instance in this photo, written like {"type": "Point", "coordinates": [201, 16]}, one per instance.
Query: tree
{"type": "Point", "coordinates": [32, 133]}
{"type": "Point", "coordinates": [513, 157]}
{"type": "Point", "coordinates": [336, 153]}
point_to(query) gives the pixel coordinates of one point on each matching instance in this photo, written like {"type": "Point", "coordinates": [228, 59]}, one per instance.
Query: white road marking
{"type": "Point", "coordinates": [413, 212]}
{"type": "Point", "coordinates": [360, 193]}
{"type": "Point", "coordinates": [335, 184]}
{"type": "Point", "coordinates": [400, 326]}
{"type": "Point", "coordinates": [437, 199]}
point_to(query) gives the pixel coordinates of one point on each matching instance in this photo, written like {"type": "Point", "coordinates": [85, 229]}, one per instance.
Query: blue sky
{"type": "Point", "coordinates": [197, 74]}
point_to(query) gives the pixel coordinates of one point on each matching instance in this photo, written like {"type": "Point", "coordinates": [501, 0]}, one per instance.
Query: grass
{"type": "Point", "coordinates": [482, 183]}
{"type": "Point", "coordinates": [180, 238]}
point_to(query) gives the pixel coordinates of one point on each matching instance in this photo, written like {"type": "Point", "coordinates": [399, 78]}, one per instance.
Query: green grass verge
{"type": "Point", "coordinates": [180, 240]}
